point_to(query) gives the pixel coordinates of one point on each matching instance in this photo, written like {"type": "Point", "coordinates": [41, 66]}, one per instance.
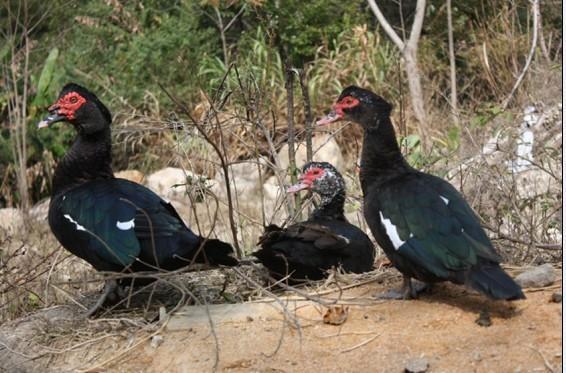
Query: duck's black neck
{"type": "Point", "coordinates": [89, 158]}
{"type": "Point", "coordinates": [381, 156]}
{"type": "Point", "coordinates": [331, 207]}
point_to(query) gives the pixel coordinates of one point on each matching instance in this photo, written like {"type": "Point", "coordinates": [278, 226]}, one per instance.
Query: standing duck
{"type": "Point", "coordinates": [423, 224]}
{"type": "Point", "coordinates": [304, 251]}
{"type": "Point", "coordinates": [114, 224]}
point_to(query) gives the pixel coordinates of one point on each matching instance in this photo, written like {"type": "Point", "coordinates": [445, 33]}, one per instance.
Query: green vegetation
{"type": "Point", "coordinates": [125, 49]}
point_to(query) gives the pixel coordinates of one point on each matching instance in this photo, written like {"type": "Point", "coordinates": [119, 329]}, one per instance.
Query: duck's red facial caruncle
{"type": "Point", "coordinates": [64, 109]}
{"type": "Point", "coordinates": [307, 179]}
{"type": "Point", "coordinates": [337, 112]}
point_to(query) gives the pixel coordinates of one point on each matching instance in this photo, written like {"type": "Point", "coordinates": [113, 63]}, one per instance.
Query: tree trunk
{"type": "Point", "coordinates": [409, 50]}
{"type": "Point", "coordinates": [416, 92]}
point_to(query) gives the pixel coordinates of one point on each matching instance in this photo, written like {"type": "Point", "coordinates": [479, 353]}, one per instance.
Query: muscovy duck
{"type": "Point", "coordinates": [306, 250]}
{"type": "Point", "coordinates": [114, 224]}
{"type": "Point", "coordinates": [423, 223]}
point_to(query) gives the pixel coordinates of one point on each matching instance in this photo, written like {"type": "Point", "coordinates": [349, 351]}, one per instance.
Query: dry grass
{"type": "Point", "coordinates": [34, 267]}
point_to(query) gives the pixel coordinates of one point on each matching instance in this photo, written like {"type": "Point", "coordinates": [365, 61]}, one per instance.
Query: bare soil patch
{"type": "Point", "coordinates": [376, 336]}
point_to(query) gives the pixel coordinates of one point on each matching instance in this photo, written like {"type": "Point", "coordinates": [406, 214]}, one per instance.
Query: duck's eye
{"type": "Point", "coordinates": [73, 100]}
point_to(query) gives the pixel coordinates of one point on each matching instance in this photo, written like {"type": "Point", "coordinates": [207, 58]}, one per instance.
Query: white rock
{"type": "Point", "coordinates": [11, 220]}
{"type": "Point", "coordinates": [40, 210]}
{"type": "Point", "coordinates": [272, 189]}
{"type": "Point", "coordinates": [170, 182]}
{"type": "Point", "coordinates": [244, 181]}
{"type": "Point", "coordinates": [325, 149]}
{"type": "Point", "coordinates": [132, 175]}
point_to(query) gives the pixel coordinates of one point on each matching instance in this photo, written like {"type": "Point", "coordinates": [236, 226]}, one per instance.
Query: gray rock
{"type": "Point", "coordinates": [417, 365]}
{"type": "Point", "coordinates": [537, 277]}
{"type": "Point", "coordinates": [20, 350]}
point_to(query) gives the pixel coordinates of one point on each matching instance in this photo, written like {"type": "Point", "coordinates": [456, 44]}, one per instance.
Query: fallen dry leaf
{"type": "Point", "coordinates": [336, 315]}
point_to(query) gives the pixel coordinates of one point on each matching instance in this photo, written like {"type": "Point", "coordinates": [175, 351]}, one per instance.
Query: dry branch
{"type": "Point", "coordinates": [536, 12]}
{"type": "Point", "coordinates": [223, 162]}
{"type": "Point", "coordinates": [289, 86]}
{"type": "Point", "coordinates": [308, 113]}
{"type": "Point", "coordinates": [409, 49]}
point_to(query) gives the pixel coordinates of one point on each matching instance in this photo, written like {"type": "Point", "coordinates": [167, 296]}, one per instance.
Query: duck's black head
{"type": "Point", "coordinates": [80, 107]}
{"type": "Point", "coordinates": [321, 178]}
{"type": "Point", "coordinates": [358, 105]}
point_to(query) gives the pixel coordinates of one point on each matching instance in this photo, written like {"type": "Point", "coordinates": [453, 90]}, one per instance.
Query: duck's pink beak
{"type": "Point", "coordinates": [298, 187]}
{"type": "Point", "coordinates": [331, 117]}
{"type": "Point", "coordinates": [304, 183]}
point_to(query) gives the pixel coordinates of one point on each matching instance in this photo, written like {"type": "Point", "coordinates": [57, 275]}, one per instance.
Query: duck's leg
{"type": "Point", "coordinates": [407, 291]}
{"type": "Point", "coordinates": [413, 288]}
{"type": "Point", "coordinates": [112, 292]}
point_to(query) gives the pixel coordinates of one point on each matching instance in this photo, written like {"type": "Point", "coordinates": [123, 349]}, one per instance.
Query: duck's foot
{"type": "Point", "coordinates": [409, 290]}
{"type": "Point", "coordinates": [111, 294]}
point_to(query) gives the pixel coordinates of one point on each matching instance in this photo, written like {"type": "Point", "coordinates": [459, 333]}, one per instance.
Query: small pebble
{"type": "Point", "coordinates": [556, 297]}
{"type": "Point", "coordinates": [249, 318]}
{"type": "Point", "coordinates": [156, 341]}
{"type": "Point", "coordinates": [418, 365]}
{"type": "Point", "coordinates": [476, 356]}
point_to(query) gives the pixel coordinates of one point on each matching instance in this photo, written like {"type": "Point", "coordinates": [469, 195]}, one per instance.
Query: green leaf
{"type": "Point", "coordinates": [411, 141]}
{"type": "Point", "coordinates": [5, 51]}
{"type": "Point", "coordinates": [45, 79]}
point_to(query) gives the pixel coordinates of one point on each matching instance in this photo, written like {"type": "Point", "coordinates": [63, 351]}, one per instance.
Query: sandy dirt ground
{"type": "Point", "coordinates": [384, 336]}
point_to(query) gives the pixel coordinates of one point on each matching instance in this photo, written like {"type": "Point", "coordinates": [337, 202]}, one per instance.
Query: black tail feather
{"type": "Point", "coordinates": [218, 252]}
{"type": "Point", "coordinates": [492, 281]}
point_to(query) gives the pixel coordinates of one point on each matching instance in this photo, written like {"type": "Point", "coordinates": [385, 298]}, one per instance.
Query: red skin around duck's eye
{"type": "Point", "coordinates": [68, 104]}
{"type": "Point", "coordinates": [312, 174]}
{"type": "Point", "coordinates": [347, 102]}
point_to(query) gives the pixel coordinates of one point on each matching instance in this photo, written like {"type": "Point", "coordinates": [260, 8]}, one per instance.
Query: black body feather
{"type": "Point", "coordinates": [308, 249]}
{"type": "Point", "coordinates": [423, 224]}
{"type": "Point", "coordinates": [114, 224]}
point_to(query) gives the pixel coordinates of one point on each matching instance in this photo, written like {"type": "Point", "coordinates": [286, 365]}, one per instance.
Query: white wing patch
{"type": "Point", "coordinates": [391, 231]}
{"type": "Point", "coordinates": [345, 239]}
{"type": "Point", "coordinates": [446, 200]}
{"type": "Point", "coordinates": [125, 225]}
{"type": "Point", "coordinates": [69, 218]}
